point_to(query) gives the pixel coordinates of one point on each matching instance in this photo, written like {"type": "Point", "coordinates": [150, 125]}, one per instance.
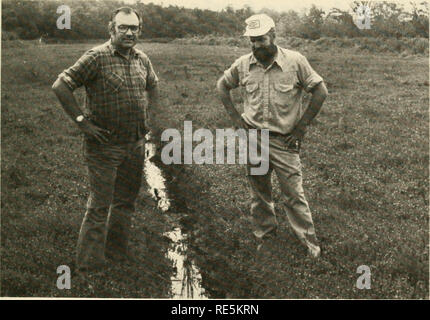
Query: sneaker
{"type": "Point", "coordinates": [271, 235]}
{"type": "Point", "coordinates": [259, 234]}
{"type": "Point", "coordinates": [314, 252]}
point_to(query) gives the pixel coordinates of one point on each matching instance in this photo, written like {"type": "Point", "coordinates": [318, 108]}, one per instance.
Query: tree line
{"type": "Point", "coordinates": [38, 18]}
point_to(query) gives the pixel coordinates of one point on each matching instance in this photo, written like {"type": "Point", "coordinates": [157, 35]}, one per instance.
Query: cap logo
{"type": "Point", "coordinates": [254, 24]}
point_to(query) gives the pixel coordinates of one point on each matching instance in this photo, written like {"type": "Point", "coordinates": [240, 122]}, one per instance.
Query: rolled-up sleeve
{"type": "Point", "coordinates": [231, 75]}
{"type": "Point", "coordinates": [151, 78]}
{"type": "Point", "coordinates": [307, 75]}
{"type": "Point", "coordinates": [83, 71]}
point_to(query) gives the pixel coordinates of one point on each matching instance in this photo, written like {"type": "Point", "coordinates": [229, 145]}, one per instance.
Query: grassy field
{"type": "Point", "coordinates": [365, 165]}
{"type": "Point", "coordinates": [361, 45]}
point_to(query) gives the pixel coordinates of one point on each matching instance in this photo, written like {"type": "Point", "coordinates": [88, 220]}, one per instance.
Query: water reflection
{"type": "Point", "coordinates": [186, 282]}
{"type": "Point", "coordinates": [154, 178]}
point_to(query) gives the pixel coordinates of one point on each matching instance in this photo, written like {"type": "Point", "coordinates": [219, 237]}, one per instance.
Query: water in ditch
{"type": "Point", "coordinates": [186, 280]}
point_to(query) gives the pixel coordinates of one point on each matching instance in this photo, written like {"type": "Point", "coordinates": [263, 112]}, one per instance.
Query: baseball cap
{"type": "Point", "coordinates": [258, 25]}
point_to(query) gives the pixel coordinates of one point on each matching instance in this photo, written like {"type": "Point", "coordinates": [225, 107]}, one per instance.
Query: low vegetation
{"type": "Point", "coordinates": [365, 165]}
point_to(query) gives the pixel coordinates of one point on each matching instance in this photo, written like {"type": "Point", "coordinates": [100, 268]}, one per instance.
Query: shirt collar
{"type": "Point", "coordinates": [113, 50]}
{"type": "Point", "coordinates": [279, 59]}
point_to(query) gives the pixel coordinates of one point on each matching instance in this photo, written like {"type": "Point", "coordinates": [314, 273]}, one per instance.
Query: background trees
{"type": "Point", "coordinates": [26, 19]}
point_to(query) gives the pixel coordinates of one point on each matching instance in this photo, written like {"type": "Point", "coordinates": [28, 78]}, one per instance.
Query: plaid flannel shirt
{"type": "Point", "coordinates": [115, 89]}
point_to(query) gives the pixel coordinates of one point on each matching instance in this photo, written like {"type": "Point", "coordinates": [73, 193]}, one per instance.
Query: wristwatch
{"type": "Point", "coordinates": [80, 118]}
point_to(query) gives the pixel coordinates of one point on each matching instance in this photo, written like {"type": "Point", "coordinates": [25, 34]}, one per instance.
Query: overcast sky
{"type": "Point", "coordinates": [278, 5]}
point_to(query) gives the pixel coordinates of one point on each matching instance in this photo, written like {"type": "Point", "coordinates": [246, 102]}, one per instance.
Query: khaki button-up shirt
{"type": "Point", "coordinates": [273, 96]}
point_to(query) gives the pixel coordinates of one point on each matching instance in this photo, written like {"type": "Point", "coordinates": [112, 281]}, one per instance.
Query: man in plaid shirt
{"type": "Point", "coordinates": [119, 81]}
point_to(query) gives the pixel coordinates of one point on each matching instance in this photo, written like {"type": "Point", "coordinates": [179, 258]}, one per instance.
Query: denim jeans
{"type": "Point", "coordinates": [285, 161]}
{"type": "Point", "coordinates": [115, 174]}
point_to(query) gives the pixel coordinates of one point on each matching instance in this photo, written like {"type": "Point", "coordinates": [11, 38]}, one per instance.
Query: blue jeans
{"type": "Point", "coordinates": [115, 174]}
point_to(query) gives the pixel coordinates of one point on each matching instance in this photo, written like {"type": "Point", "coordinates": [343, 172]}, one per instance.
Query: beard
{"type": "Point", "coordinates": [265, 54]}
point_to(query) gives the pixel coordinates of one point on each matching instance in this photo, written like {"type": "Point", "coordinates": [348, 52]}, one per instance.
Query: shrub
{"type": "Point", "coordinates": [421, 46]}
{"type": "Point", "coordinates": [9, 35]}
{"type": "Point", "coordinates": [373, 45]}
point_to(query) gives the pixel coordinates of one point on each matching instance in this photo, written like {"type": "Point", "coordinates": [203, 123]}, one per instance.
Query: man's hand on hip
{"type": "Point", "coordinates": [319, 93]}
{"type": "Point", "coordinates": [90, 129]}
{"type": "Point", "coordinates": [294, 139]}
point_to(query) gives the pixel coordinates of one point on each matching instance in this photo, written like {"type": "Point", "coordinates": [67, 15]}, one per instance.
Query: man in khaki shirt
{"type": "Point", "coordinates": [274, 79]}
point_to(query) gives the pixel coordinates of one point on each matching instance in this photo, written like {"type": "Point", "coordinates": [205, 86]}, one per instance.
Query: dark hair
{"type": "Point", "coordinates": [126, 10]}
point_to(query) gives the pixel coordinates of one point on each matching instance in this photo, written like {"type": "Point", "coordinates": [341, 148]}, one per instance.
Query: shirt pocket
{"type": "Point", "coordinates": [251, 87]}
{"type": "Point", "coordinates": [252, 92]}
{"type": "Point", "coordinates": [283, 93]}
{"type": "Point", "coordinates": [113, 81]}
{"type": "Point", "coordinates": [141, 74]}
{"type": "Point", "coordinates": [141, 78]}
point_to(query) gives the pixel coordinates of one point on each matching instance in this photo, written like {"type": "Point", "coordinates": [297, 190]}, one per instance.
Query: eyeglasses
{"type": "Point", "coordinates": [124, 28]}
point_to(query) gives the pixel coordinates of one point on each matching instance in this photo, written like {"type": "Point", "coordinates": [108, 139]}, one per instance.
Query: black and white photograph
{"type": "Point", "coordinates": [218, 149]}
